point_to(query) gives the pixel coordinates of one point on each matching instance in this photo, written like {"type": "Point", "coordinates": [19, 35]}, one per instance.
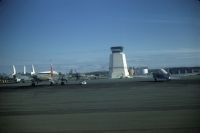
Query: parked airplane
{"type": "Point", "coordinates": [161, 74]}
{"type": "Point", "coordinates": [20, 77]}
{"type": "Point", "coordinates": [52, 76]}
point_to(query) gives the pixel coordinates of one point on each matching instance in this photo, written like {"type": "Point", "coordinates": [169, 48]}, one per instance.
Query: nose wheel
{"type": "Point", "coordinates": [33, 84]}
{"type": "Point", "coordinates": [51, 83]}
{"type": "Point", "coordinates": [62, 83]}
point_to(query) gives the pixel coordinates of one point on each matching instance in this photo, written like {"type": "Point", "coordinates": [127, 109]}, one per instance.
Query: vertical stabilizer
{"type": "Point", "coordinates": [51, 71]}
{"type": "Point", "coordinates": [33, 70]}
{"type": "Point", "coordinates": [24, 70]}
{"type": "Point", "coordinates": [14, 70]}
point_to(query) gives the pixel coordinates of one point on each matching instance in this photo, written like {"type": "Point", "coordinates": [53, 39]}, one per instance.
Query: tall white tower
{"type": "Point", "coordinates": [118, 66]}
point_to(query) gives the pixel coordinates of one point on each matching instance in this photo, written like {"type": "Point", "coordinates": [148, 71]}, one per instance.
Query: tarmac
{"type": "Point", "coordinates": [102, 106]}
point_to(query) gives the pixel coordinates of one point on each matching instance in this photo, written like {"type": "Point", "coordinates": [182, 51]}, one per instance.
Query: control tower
{"type": "Point", "coordinates": [118, 66]}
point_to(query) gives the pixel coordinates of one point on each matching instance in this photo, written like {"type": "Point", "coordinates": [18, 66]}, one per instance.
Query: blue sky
{"type": "Point", "coordinates": [79, 33]}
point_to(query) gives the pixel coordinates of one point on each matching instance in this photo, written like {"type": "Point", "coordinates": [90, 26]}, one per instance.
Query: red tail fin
{"type": "Point", "coordinates": [51, 71]}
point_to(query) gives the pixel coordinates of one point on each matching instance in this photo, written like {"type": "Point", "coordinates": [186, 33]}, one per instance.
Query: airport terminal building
{"type": "Point", "coordinates": [183, 70]}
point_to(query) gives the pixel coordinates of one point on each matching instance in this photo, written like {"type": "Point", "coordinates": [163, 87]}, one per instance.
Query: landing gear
{"type": "Point", "coordinates": [62, 83]}
{"type": "Point", "coordinates": [33, 84]}
{"type": "Point", "coordinates": [51, 83]}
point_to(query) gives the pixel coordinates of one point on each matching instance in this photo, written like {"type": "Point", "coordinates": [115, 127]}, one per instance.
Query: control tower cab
{"type": "Point", "coordinates": [118, 65]}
